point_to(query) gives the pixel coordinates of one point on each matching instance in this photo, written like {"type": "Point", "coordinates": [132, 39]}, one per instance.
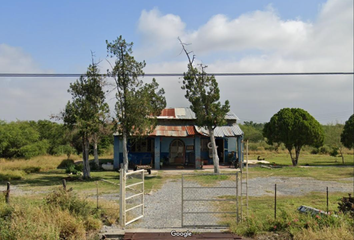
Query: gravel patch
{"type": "Point", "coordinates": [294, 186]}
{"type": "Point", "coordinates": [163, 207]}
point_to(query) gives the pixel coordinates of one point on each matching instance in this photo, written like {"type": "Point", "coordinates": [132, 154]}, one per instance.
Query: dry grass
{"type": "Point", "coordinates": [343, 233]}
{"type": "Point", "coordinates": [16, 169]}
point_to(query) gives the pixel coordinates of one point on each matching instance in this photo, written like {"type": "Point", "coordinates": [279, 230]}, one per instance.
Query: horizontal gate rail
{"type": "Point", "coordinates": [133, 196]}
{"type": "Point", "coordinates": [185, 198]}
{"type": "Point", "coordinates": [123, 200]}
{"type": "Point", "coordinates": [208, 212]}
{"type": "Point", "coordinates": [132, 208]}
{"type": "Point", "coordinates": [221, 200]}
{"type": "Point", "coordinates": [134, 184]}
{"type": "Point", "coordinates": [209, 187]}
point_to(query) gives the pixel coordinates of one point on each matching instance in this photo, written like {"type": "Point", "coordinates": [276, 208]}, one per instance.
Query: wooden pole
{"type": "Point", "coordinates": [7, 196]}
{"type": "Point", "coordinates": [275, 201]}
{"type": "Point", "coordinates": [64, 184]}
{"type": "Point", "coordinates": [327, 200]}
{"type": "Point", "coordinates": [97, 192]}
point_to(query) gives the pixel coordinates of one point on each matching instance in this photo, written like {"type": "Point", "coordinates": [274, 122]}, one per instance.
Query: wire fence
{"type": "Point", "coordinates": [282, 198]}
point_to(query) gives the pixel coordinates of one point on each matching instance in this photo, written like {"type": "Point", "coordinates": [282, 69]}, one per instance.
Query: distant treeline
{"type": "Point", "coordinates": [332, 144]}
{"type": "Point", "coordinates": [27, 139]}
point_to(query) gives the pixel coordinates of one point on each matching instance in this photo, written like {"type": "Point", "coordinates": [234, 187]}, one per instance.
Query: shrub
{"type": "Point", "coordinates": [315, 151]}
{"type": "Point", "coordinates": [79, 167]}
{"type": "Point", "coordinates": [7, 175]}
{"type": "Point", "coordinates": [68, 201]}
{"type": "Point", "coordinates": [324, 149]}
{"type": "Point", "coordinates": [31, 169]}
{"type": "Point", "coordinates": [35, 149]}
{"type": "Point", "coordinates": [65, 163]}
{"type": "Point", "coordinates": [334, 152]}
{"type": "Point", "coordinates": [71, 169]}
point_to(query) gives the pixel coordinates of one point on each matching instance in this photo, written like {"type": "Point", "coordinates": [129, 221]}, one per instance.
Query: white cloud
{"type": "Point", "coordinates": [15, 60]}
{"type": "Point", "coordinates": [261, 41]}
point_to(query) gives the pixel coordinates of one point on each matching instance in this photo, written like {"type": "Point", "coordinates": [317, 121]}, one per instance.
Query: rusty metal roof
{"type": "Point", "coordinates": [222, 131]}
{"type": "Point", "coordinates": [185, 131]}
{"type": "Point", "coordinates": [187, 113]}
{"type": "Point", "coordinates": [173, 131]}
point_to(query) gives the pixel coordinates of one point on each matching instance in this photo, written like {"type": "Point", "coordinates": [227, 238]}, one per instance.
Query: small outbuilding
{"type": "Point", "coordinates": [177, 141]}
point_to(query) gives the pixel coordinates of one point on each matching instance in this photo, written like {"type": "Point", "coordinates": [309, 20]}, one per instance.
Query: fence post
{"type": "Point", "coordinates": [327, 200]}
{"type": "Point", "coordinates": [122, 197]}
{"type": "Point", "coordinates": [97, 192]}
{"type": "Point", "coordinates": [7, 196]}
{"type": "Point", "coordinates": [64, 184]}
{"type": "Point", "coordinates": [275, 201]}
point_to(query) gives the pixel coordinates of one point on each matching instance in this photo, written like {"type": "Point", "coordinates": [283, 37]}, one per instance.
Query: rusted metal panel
{"type": "Point", "coordinates": [168, 112]}
{"type": "Point", "coordinates": [190, 130]}
{"type": "Point", "coordinates": [173, 131]}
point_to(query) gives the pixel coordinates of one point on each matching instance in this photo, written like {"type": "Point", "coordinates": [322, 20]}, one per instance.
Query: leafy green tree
{"type": "Point", "coordinates": [20, 139]}
{"type": "Point", "coordinates": [87, 110]}
{"type": "Point", "coordinates": [252, 133]}
{"type": "Point", "coordinates": [203, 93]}
{"type": "Point", "coordinates": [332, 138]}
{"type": "Point", "coordinates": [137, 103]}
{"type": "Point", "coordinates": [295, 128]}
{"type": "Point", "coordinates": [347, 136]}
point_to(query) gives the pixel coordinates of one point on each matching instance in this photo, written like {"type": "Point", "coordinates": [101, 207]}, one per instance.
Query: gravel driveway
{"type": "Point", "coordinates": [163, 207]}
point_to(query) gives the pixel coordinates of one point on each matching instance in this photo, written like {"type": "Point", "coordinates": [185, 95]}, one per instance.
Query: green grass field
{"type": "Point", "coordinates": [38, 177]}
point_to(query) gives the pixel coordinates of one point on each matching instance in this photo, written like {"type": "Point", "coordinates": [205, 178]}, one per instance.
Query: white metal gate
{"type": "Point", "coordinates": [131, 202]}
{"type": "Point", "coordinates": [197, 208]}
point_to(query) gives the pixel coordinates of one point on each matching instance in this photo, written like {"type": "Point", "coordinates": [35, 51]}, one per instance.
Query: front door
{"type": "Point", "coordinates": [220, 143]}
{"type": "Point", "coordinates": [177, 152]}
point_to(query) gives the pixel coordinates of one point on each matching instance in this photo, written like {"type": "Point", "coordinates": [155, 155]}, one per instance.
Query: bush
{"type": "Point", "coordinates": [35, 149]}
{"type": "Point", "coordinates": [68, 201]}
{"type": "Point", "coordinates": [71, 169]}
{"type": "Point", "coordinates": [8, 175]}
{"type": "Point", "coordinates": [315, 151]}
{"type": "Point", "coordinates": [65, 163]}
{"type": "Point", "coordinates": [79, 167]}
{"type": "Point", "coordinates": [334, 152]}
{"type": "Point", "coordinates": [29, 170]}
{"type": "Point", "coordinates": [324, 149]}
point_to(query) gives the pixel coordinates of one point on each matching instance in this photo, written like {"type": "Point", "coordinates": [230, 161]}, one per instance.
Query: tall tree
{"type": "Point", "coordinates": [295, 128]}
{"type": "Point", "coordinates": [203, 93]}
{"type": "Point", "coordinates": [347, 136]}
{"type": "Point", "coordinates": [87, 110]}
{"type": "Point", "coordinates": [137, 102]}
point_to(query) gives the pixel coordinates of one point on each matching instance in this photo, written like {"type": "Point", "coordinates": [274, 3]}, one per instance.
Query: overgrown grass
{"type": "Point", "coordinates": [289, 222]}
{"type": "Point", "coordinates": [62, 215]}
{"type": "Point", "coordinates": [18, 168]}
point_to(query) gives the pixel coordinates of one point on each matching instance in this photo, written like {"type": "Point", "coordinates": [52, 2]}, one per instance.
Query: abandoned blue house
{"type": "Point", "coordinates": [177, 141]}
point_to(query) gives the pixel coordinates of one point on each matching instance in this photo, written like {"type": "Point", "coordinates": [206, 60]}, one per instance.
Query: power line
{"type": "Point", "coordinates": [75, 75]}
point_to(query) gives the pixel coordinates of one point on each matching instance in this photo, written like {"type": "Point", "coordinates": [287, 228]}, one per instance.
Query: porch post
{"type": "Point", "coordinates": [157, 153]}
{"type": "Point", "coordinates": [197, 152]}
{"type": "Point", "coordinates": [116, 152]}
{"type": "Point", "coordinates": [239, 150]}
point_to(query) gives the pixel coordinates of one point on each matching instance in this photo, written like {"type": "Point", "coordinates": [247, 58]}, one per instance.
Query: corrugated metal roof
{"type": "Point", "coordinates": [185, 131]}
{"type": "Point", "coordinates": [168, 112]}
{"type": "Point", "coordinates": [173, 131]}
{"type": "Point", "coordinates": [223, 131]}
{"type": "Point", "coordinates": [187, 113]}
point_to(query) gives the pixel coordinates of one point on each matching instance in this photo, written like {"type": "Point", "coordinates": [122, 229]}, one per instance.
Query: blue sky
{"type": "Point", "coordinates": [228, 36]}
